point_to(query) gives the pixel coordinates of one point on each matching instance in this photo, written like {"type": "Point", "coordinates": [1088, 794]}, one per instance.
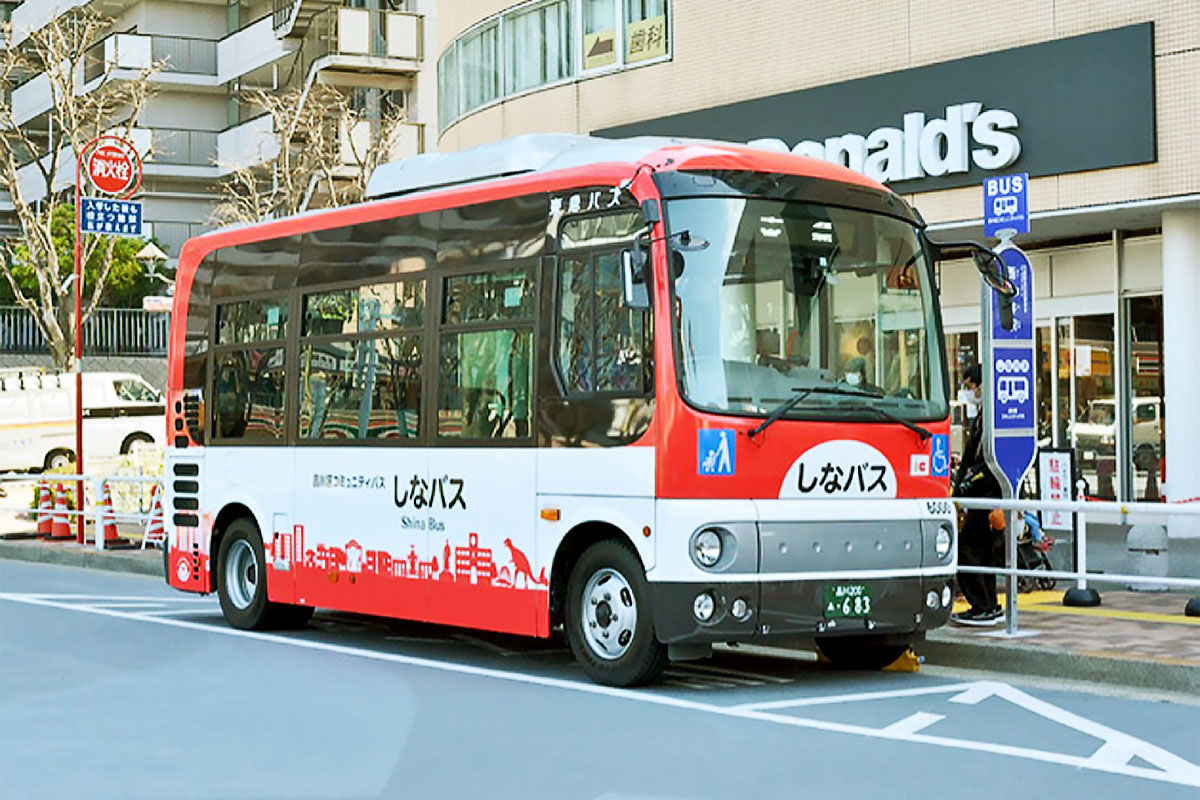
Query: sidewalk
{"type": "Point", "coordinates": [1132, 639]}
{"type": "Point", "coordinates": [1140, 639]}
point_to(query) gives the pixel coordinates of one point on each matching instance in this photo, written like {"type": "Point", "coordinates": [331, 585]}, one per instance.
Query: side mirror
{"type": "Point", "coordinates": [991, 270]}
{"type": "Point", "coordinates": [633, 279]}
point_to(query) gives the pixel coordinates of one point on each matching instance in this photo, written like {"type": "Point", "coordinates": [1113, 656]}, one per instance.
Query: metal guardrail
{"type": "Point", "coordinates": [1081, 576]}
{"type": "Point", "coordinates": [108, 332]}
{"type": "Point", "coordinates": [91, 510]}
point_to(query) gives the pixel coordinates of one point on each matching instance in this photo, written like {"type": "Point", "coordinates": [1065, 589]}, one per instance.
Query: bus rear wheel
{"type": "Point", "coordinates": [242, 583]}
{"type": "Point", "coordinates": [608, 620]}
{"type": "Point", "coordinates": [859, 652]}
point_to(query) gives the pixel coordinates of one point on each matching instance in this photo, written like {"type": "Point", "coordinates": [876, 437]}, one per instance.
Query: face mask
{"type": "Point", "coordinates": [853, 379]}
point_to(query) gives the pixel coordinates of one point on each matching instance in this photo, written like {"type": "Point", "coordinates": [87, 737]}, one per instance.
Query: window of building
{"type": "Point", "coordinates": [599, 34]}
{"type": "Point", "coordinates": [645, 30]}
{"type": "Point", "coordinates": [1147, 449]}
{"type": "Point", "coordinates": [479, 60]}
{"type": "Point", "coordinates": [537, 46]}
{"type": "Point", "coordinates": [448, 108]}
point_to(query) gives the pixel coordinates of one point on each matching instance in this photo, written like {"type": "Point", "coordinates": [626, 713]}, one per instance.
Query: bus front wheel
{"type": "Point", "coordinates": [242, 583]}
{"type": "Point", "coordinates": [608, 620]}
{"type": "Point", "coordinates": [859, 652]}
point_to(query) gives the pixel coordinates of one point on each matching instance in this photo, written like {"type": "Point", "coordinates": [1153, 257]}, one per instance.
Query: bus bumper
{"type": "Point", "coordinates": [798, 609]}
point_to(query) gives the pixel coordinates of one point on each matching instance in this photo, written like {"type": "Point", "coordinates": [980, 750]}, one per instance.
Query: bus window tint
{"type": "Point", "coordinates": [488, 296]}
{"type": "Point", "coordinates": [601, 343]}
{"type": "Point", "coordinates": [250, 394]}
{"type": "Point", "coordinates": [361, 389]}
{"type": "Point", "coordinates": [382, 306]}
{"type": "Point", "coordinates": [484, 384]}
{"type": "Point", "coordinates": [252, 321]}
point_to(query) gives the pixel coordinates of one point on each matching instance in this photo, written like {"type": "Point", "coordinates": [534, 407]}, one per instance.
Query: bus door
{"type": "Point", "coordinates": [361, 477]}
{"type": "Point", "coordinates": [482, 473]}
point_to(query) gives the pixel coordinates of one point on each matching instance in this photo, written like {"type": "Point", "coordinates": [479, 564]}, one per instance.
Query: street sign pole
{"type": "Point", "coordinates": [111, 181]}
{"type": "Point", "coordinates": [1010, 376]}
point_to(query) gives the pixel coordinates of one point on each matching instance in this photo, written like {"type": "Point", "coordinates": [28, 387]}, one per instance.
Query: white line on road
{"type": "Point", "coordinates": [1173, 769]}
{"type": "Point", "coordinates": [852, 698]}
{"type": "Point", "coordinates": [916, 722]}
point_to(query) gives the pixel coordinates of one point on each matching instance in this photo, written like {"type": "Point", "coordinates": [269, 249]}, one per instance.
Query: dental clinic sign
{"type": "Point", "coordinates": [966, 135]}
{"type": "Point", "coordinates": [1041, 109]}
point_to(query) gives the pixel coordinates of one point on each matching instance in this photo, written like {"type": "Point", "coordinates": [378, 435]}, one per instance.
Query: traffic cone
{"type": "Point", "coordinates": [108, 520]}
{"type": "Point", "coordinates": [45, 518]}
{"type": "Point", "coordinates": [61, 526]}
{"type": "Point", "coordinates": [155, 532]}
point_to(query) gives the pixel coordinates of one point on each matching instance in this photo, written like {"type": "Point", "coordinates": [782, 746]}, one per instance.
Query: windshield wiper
{"type": "Point", "coordinates": [912, 426]}
{"type": "Point", "coordinates": [799, 397]}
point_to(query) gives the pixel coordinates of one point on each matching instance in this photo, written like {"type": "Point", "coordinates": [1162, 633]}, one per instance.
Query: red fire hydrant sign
{"type": "Point", "coordinates": [114, 167]}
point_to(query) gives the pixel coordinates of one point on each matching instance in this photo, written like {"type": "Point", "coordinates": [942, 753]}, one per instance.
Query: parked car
{"type": "Point", "coordinates": [1094, 433]}
{"type": "Point", "coordinates": [37, 416]}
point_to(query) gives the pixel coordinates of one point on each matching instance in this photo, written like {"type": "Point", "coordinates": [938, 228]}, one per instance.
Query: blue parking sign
{"type": "Point", "coordinates": [1006, 205]}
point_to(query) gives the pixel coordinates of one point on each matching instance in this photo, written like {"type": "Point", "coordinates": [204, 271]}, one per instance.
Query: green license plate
{"type": "Point", "coordinates": [847, 600]}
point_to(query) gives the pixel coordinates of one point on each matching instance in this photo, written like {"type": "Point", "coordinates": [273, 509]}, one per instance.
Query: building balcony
{"type": "Point", "coordinates": [355, 40]}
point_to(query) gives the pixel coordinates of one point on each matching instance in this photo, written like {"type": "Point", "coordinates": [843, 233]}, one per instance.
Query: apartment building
{"type": "Point", "coordinates": [1096, 100]}
{"type": "Point", "coordinates": [197, 127]}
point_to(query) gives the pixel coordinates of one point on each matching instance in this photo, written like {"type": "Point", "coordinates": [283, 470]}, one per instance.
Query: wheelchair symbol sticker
{"type": "Point", "coordinates": [939, 460]}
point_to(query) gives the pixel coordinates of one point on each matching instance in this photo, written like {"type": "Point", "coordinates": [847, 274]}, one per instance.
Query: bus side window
{"type": "Point", "coordinates": [601, 354]}
{"type": "Point", "coordinates": [485, 373]}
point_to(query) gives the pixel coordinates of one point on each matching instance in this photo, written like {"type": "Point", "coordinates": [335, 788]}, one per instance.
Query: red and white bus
{"type": "Point", "coordinates": [659, 394]}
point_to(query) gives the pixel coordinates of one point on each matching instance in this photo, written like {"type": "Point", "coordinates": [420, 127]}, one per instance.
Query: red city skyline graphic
{"type": "Point", "coordinates": [460, 585]}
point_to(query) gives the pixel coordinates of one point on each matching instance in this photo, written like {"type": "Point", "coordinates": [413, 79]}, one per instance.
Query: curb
{"type": "Point", "coordinates": [129, 561]}
{"type": "Point", "coordinates": [945, 650]}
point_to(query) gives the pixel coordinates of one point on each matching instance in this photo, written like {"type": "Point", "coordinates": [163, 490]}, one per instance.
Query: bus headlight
{"type": "Point", "coordinates": [943, 541]}
{"type": "Point", "coordinates": [706, 547]}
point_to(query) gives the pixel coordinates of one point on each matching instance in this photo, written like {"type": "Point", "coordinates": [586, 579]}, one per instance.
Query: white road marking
{"type": "Point", "coordinates": [913, 723]}
{"type": "Point", "coordinates": [1172, 768]}
{"type": "Point", "coordinates": [850, 698]}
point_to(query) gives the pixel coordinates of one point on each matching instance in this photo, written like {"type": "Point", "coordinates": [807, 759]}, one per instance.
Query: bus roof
{"type": "Point", "coordinates": [542, 152]}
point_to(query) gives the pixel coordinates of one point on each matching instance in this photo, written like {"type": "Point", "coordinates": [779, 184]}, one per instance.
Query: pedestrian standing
{"type": "Point", "coordinates": [981, 540]}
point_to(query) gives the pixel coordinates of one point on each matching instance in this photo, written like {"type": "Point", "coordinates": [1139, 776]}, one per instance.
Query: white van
{"type": "Point", "coordinates": [37, 416]}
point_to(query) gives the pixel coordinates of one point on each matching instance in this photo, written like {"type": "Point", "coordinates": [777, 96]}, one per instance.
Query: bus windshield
{"type": "Point", "coordinates": [787, 296]}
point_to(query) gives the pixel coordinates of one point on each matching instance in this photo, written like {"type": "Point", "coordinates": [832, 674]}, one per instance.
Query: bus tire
{"type": "Point", "coordinates": [609, 623]}
{"type": "Point", "coordinates": [242, 583]}
{"type": "Point", "coordinates": [859, 652]}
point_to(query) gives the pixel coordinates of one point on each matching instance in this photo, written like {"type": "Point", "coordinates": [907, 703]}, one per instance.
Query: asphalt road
{"type": "Point", "coordinates": [114, 686]}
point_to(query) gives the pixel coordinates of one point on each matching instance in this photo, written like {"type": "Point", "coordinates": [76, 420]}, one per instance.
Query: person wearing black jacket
{"type": "Point", "coordinates": [979, 545]}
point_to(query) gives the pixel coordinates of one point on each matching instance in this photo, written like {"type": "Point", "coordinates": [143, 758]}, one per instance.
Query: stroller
{"type": "Point", "coordinates": [1032, 549]}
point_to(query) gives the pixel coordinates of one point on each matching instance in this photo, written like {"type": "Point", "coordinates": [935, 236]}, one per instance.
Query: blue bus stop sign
{"type": "Point", "coordinates": [1005, 206]}
{"type": "Point", "coordinates": [1010, 389]}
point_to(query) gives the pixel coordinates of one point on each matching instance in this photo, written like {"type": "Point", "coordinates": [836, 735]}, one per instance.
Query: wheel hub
{"type": "Point", "coordinates": [609, 614]}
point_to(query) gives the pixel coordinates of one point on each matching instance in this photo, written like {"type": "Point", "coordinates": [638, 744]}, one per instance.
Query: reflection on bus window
{"type": "Point", "coordinates": [252, 321]}
{"type": "Point", "coordinates": [485, 384]}
{"type": "Point", "coordinates": [602, 343]}
{"type": "Point", "coordinates": [250, 395]}
{"type": "Point", "coordinates": [362, 309]}
{"type": "Point", "coordinates": [361, 389]}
